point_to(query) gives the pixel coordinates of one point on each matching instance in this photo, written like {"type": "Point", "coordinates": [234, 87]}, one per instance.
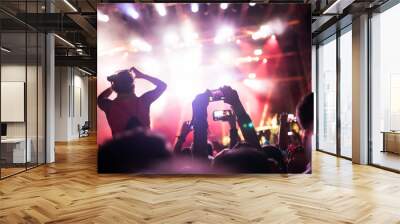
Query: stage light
{"type": "Point", "coordinates": [171, 39]}
{"type": "Point", "coordinates": [226, 56]}
{"type": "Point", "coordinates": [224, 6]}
{"type": "Point", "coordinates": [247, 59]}
{"type": "Point", "coordinates": [262, 32]}
{"type": "Point", "coordinates": [265, 60]}
{"type": "Point", "coordinates": [141, 45]}
{"type": "Point", "coordinates": [160, 8]}
{"type": "Point", "coordinates": [102, 17]}
{"type": "Point", "coordinates": [257, 85]}
{"type": "Point", "coordinates": [132, 12]}
{"type": "Point", "coordinates": [223, 35]}
{"type": "Point", "coordinates": [238, 41]}
{"type": "Point", "coordinates": [258, 52]}
{"type": "Point", "coordinates": [273, 37]}
{"type": "Point", "coordinates": [188, 34]}
{"type": "Point", "coordinates": [194, 7]}
{"type": "Point", "coordinates": [252, 4]}
{"type": "Point", "coordinates": [252, 75]}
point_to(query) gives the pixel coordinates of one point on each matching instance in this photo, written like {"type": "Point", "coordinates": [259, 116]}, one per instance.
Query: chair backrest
{"type": "Point", "coordinates": [86, 125]}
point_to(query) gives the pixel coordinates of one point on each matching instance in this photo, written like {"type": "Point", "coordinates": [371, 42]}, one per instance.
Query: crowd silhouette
{"type": "Point", "coordinates": [135, 148]}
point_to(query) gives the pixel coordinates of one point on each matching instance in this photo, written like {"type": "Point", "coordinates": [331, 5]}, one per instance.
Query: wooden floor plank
{"type": "Point", "coordinates": [71, 191]}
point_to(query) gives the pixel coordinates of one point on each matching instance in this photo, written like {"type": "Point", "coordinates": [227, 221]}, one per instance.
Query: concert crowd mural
{"type": "Point", "coordinates": [204, 88]}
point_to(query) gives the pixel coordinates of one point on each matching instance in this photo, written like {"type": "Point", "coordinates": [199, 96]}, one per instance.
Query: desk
{"type": "Point", "coordinates": [13, 150]}
{"type": "Point", "coordinates": [391, 141]}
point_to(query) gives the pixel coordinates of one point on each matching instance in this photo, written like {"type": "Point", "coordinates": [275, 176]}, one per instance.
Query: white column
{"type": "Point", "coordinates": [50, 105]}
{"type": "Point", "coordinates": [360, 90]}
{"type": "Point", "coordinates": [50, 92]}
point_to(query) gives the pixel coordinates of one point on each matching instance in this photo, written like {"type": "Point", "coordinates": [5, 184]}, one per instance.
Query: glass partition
{"type": "Point", "coordinates": [327, 96]}
{"type": "Point", "coordinates": [14, 151]}
{"type": "Point", "coordinates": [22, 88]}
{"type": "Point", "coordinates": [385, 89]}
{"type": "Point", "coordinates": [346, 93]}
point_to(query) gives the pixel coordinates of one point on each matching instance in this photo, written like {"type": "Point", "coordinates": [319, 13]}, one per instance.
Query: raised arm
{"type": "Point", "coordinates": [154, 94]}
{"type": "Point", "coordinates": [185, 130]}
{"type": "Point", "coordinates": [233, 132]}
{"type": "Point", "coordinates": [283, 132]}
{"type": "Point", "coordinates": [102, 99]}
{"type": "Point", "coordinates": [244, 120]}
{"type": "Point", "coordinates": [200, 126]}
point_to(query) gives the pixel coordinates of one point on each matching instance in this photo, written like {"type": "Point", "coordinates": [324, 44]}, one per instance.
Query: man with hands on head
{"type": "Point", "coordinates": [127, 105]}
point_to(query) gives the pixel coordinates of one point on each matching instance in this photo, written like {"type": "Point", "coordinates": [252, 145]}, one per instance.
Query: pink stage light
{"type": "Point", "coordinates": [102, 17]}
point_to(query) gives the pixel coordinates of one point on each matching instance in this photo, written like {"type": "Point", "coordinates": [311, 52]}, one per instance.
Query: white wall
{"type": "Point", "coordinates": [71, 93]}
{"type": "Point", "coordinates": [33, 127]}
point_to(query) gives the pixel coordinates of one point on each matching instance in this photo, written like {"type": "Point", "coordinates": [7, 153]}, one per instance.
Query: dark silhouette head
{"type": "Point", "coordinates": [244, 159]}
{"type": "Point", "coordinates": [277, 155]}
{"type": "Point", "coordinates": [305, 112]}
{"type": "Point", "coordinates": [133, 151]}
{"type": "Point", "coordinates": [122, 82]}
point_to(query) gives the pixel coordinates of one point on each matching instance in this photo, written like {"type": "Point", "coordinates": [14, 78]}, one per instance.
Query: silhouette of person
{"type": "Point", "coordinates": [127, 106]}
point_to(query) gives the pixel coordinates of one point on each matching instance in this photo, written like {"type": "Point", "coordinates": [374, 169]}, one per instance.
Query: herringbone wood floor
{"type": "Point", "coordinates": [70, 191]}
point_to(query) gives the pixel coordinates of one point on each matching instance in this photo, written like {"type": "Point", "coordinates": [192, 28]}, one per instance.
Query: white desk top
{"type": "Point", "coordinates": [13, 140]}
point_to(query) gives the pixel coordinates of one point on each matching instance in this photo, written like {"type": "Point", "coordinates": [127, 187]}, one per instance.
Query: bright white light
{"type": "Point", "coordinates": [252, 75]}
{"type": "Point", "coordinates": [262, 32]}
{"type": "Point", "coordinates": [70, 5]}
{"type": "Point", "coordinates": [133, 13]}
{"type": "Point", "coordinates": [247, 59]}
{"type": "Point", "coordinates": [180, 64]}
{"type": "Point", "coordinates": [258, 52]}
{"type": "Point", "coordinates": [160, 7]}
{"type": "Point", "coordinates": [102, 17]}
{"type": "Point", "coordinates": [257, 85]}
{"type": "Point", "coordinates": [238, 41]}
{"type": "Point", "coordinates": [194, 7]}
{"type": "Point", "coordinates": [226, 56]}
{"type": "Point", "coordinates": [252, 4]}
{"type": "Point", "coordinates": [273, 37]}
{"type": "Point", "coordinates": [225, 79]}
{"type": "Point", "coordinates": [141, 45]}
{"type": "Point", "coordinates": [189, 35]}
{"type": "Point", "coordinates": [171, 39]}
{"type": "Point", "coordinates": [223, 6]}
{"type": "Point", "coordinates": [223, 35]}
{"type": "Point", "coordinates": [265, 60]}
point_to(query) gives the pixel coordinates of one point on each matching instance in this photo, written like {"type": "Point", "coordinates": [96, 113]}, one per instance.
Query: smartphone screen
{"type": "Point", "coordinates": [221, 115]}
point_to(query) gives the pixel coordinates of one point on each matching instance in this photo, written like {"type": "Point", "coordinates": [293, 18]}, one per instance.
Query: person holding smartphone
{"type": "Point", "coordinates": [127, 105]}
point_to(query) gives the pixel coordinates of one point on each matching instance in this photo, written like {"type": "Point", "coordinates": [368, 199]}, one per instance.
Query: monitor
{"type": "Point", "coordinates": [3, 129]}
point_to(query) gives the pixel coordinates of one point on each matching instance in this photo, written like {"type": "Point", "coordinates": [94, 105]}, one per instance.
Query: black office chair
{"type": "Point", "coordinates": [84, 130]}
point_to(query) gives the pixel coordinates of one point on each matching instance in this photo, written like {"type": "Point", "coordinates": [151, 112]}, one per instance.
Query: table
{"type": "Point", "coordinates": [13, 150]}
{"type": "Point", "coordinates": [391, 141]}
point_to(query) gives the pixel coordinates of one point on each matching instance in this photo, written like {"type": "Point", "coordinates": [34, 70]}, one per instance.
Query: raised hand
{"type": "Point", "coordinates": [186, 128]}
{"type": "Point", "coordinates": [284, 118]}
{"type": "Point", "coordinates": [231, 95]}
{"type": "Point", "coordinates": [201, 101]}
{"type": "Point", "coordinates": [138, 74]}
